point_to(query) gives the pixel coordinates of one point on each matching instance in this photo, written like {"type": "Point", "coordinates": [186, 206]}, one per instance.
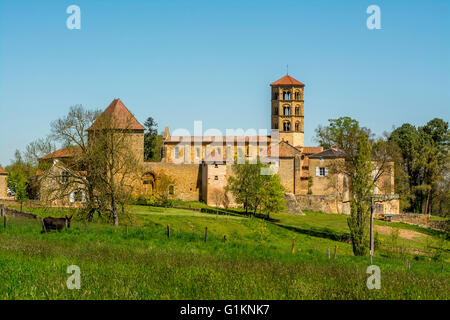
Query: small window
{"type": "Point", "coordinates": [197, 150]}
{"type": "Point", "coordinates": [216, 177]}
{"type": "Point", "coordinates": [321, 171]}
{"type": "Point", "coordinates": [177, 152]}
{"type": "Point", "coordinates": [64, 177]}
{"type": "Point", "coordinates": [216, 165]}
{"type": "Point", "coordinates": [171, 190]}
{"type": "Point", "coordinates": [287, 111]}
{"type": "Point", "coordinates": [78, 196]}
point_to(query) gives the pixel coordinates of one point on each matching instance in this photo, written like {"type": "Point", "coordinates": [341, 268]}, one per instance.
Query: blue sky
{"type": "Point", "coordinates": [180, 61]}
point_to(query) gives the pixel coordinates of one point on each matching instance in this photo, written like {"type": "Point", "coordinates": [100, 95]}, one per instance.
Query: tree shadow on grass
{"type": "Point", "coordinates": [321, 233]}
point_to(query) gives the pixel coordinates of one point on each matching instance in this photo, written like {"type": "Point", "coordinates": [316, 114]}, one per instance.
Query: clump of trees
{"type": "Point", "coordinates": [421, 157]}
{"type": "Point", "coordinates": [423, 169]}
{"type": "Point", "coordinates": [360, 150]}
{"type": "Point", "coordinates": [24, 165]}
{"type": "Point", "coordinates": [254, 190]}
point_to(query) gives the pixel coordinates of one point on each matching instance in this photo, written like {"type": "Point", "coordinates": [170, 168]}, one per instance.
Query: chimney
{"type": "Point", "coordinates": [166, 133]}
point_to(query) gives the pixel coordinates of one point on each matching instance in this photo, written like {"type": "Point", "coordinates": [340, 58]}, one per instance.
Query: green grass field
{"type": "Point", "coordinates": [254, 262]}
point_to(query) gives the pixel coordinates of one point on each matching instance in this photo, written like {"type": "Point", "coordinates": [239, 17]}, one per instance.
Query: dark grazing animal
{"type": "Point", "coordinates": [50, 223]}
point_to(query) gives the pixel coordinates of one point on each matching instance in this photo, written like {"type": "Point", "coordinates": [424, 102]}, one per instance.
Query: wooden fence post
{"type": "Point", "coordinates": [206, 234]}
{"type": "Point", "coordinates": [4, 222]}
{"type": "Point", "coordinates": [335, 252]}
{"type": "Point", "coordinates": [2, 208]}
{"type": "Point", "coordinates": [329, 253]}
{"type": "Point", "coordinates": [168, 231]}
{"type": "Point", "coordinates": [408, 265]}
{"type": "Point", "coordinates": [293, 246]}
{"type": "Point", "coordinates": [85, 226]}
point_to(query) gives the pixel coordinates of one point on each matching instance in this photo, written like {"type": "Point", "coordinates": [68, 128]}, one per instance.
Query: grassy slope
{"type": "Point", "coordinates": [254, 263]}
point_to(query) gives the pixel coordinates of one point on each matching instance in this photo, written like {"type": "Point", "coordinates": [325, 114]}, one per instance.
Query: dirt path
{"type": "Point", "coordinates": [406, 234]}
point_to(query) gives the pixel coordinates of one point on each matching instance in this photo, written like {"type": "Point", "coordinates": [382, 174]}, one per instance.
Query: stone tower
{"type": "Point", "coordinates": [287, 110]}
{"type": "Point", "coordinates": [118, 117]}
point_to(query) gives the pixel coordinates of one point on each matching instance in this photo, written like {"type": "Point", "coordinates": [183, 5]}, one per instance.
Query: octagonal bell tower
{"type": "Point", "coordinates": [287, 110]}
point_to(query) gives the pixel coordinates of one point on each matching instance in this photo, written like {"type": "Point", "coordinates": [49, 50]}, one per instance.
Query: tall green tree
{"type": "Point", "coordinates": [152, 141]}
{"type": "Point", "coordinates": [272, 196]}
{"type": "Point", "coordinates": [424, 162]}
{"type": "Point", "coordinates": [346, 134]}
{"type": "Point", "coordinates": [254, 190]}
{"type": "Point", "coordinates": [362, 189]}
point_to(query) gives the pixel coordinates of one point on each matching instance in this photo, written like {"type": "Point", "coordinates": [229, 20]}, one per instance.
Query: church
{"type": "Point", "coordinates": [200, 165]}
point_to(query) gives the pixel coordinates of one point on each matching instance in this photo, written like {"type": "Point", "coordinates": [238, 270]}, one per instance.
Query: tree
{"type": "Point", "coordinates": [245, 183]}
{"type": "Point", "coordinates": [18, 183]}
{"type": "Point", "coordinates": [152, 141]}
{"type": "Point", "coordinates": [21, 191]}
{"type": "Point", "coordinates": [254, 190]}
{"type": "Point", "coordinates": [424, 162]}
{"type": "Point", "coordinates": [71, 131]}
{"type": "Point", "coordinates": [362, 189]}
{"type": "Point", "coordinates": [343, 132]}
{"type": "Point", "coordinates": [112, 164]}
{"type": "Point", "coordinates": [38, 149]}
{"type": "Point", "coordinates": [273, 196]}
{"type": "Point", "coordinates": [346, 134]}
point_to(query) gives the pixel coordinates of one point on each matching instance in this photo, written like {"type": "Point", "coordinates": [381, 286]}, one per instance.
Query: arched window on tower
{"type": "Point", "coordinates": [275, 111]}
{"type": "Point", "coordinates": [297, 95]}
{"type": "Point", "coordinates": [297, 126]}
{"type": "Point", "coordinates": [286, 126]}
{"type": "Point", "coordinates": [287, 111]}
{"type": "Point", "coordinates": [297, 110]}
{"type": "Point", "coordinates": [275, 96]}
{"type": "Point", "coordinates": [286, 95]}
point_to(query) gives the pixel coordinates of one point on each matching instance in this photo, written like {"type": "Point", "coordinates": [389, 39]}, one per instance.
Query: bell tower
{"type": "Point", "coordinates": [287, 110]}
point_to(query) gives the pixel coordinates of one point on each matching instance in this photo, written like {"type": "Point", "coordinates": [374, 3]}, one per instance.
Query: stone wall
{"type": "Point", "coordinates": [16, 213]}
{"type": "Point", "coordinates": [323, 203]}
{"type": "Point", "coordinates": [286, 173]}
{"type": "Point", "coordinates": [188, 178]}
{"type": "Point", "coordinates": [3, 186]}
{"type": "Point", "coordinates": [332, 204]}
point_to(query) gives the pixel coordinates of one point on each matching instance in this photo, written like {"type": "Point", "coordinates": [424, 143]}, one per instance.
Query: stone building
{"type": "Point", "coordinates": [3, 184]}
{"type": "Point", "coordinates": [200, 165]}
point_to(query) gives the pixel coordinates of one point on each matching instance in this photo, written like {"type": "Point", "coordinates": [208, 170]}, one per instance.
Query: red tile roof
{"type": "Point", "coordinates": [329, 154]}
{"type": "Point", "coordinates": [62, 153]}
{"type": "Point", "coordinates": [285, 150]}
{"type": "Point", "coordinates": [312, 150]}
{"type": "Point", "coordinates": [120, 115]}
{"type": "Point", "coordinates": [287, 80]}
{"type": "Point", "coordinates": [3, 172]}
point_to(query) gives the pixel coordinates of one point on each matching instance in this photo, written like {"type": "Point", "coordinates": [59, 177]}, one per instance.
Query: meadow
{"type": "Point", "coordinates": [242, 258]}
